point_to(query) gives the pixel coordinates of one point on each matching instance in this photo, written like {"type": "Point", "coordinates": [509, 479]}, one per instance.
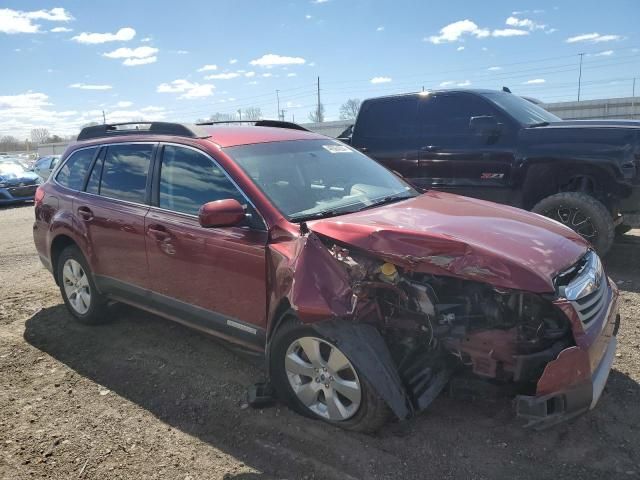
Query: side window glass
{"type": "Point", "coordinates": [188, 180]}
{"type": "Point", "coordinates": [453, 113]}
{"type": "Point", "coordinates": [388, 119]}
{"type": "Point", "coordinates": [124, 173]}
{"type": "Point", "coordinates": [74, 170]}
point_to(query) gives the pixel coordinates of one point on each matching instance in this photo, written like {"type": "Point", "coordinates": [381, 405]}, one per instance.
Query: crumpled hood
{"type": "Point", "coordinates": [447, 234]}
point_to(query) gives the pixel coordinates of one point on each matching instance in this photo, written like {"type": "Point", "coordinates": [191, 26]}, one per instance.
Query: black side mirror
{"type": "Point", "coordinates": [485, 125]}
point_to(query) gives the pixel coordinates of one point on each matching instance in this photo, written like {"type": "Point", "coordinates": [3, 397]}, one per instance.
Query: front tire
{"type": "Point", "coordinates": [316, 379]}
{"type": "Point", "coordinates": [583, 214]}
{"type": "Point", "coordinates": [78, 289]}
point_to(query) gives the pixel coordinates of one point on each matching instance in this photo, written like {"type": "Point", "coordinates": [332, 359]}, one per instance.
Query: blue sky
{"type": "Point", "coordinates": [66, 61]}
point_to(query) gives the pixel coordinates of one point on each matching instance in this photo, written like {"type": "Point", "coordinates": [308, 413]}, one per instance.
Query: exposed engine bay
{"type": "Point", "coordinates": [435, 326]}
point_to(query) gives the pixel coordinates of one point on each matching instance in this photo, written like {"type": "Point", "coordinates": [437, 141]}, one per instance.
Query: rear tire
{"type": "Point", "coordinates": [583, 214]}
{"type": "Point", "coordinates": [78, 289]}
{"type": "Point", "coordinates": [371, 412]}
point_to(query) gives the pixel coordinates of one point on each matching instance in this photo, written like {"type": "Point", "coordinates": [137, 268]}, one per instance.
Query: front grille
{"type": "Point", "coordinates": [588, 291]}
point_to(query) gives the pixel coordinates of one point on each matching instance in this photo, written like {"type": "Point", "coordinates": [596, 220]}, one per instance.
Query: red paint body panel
{"type": "Point", "coordinates": [447, 234]}
{"type": "Point", "coordinates": [218, 269]}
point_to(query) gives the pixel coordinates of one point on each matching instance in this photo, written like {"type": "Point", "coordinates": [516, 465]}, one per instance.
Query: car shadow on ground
{"type": "Point", "coordinates": [196, 384]}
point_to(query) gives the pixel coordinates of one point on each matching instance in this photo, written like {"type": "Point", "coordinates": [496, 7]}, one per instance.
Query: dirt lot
{"type": "Point", "coordinates": [146, 398]}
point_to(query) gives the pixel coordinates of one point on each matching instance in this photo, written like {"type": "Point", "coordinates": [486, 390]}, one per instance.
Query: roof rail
{"type": "Point", "coordinates": [260, 123]}
{"type": "Point", "coordinates": [136, 128]}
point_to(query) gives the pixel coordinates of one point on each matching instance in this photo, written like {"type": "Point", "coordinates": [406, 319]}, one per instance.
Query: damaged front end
{"type": "Point", "coordinates": [410, 331]}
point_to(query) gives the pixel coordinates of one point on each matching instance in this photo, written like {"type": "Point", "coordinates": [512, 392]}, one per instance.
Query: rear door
{"type": "Point", "coordinates": [386, 131]}
{"type": "Point", "coordinates": [457, 159]}
{"type": "Point", "coordinates": [112, 209]}
{"type": "Point", "coordinates": [212, 278]}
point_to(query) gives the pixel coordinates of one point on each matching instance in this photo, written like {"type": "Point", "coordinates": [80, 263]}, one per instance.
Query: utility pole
{"type": "Point", "coordinates": [580, 75]}
{"type": "Point", "coordinates": [318, 112]}
{"type": "Point", "coordinates": [104, 118]}
{"type": "Point", "coordinates": [633, 99]}
{"type": "Point", "coordinates": [278, 101]}
{"type": "Point", "coordinates": [282, 114]}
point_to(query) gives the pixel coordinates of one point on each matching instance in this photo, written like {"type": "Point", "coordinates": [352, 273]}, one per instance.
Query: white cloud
{"type": "Point", "coordinates": [606, 53]}
{"type": "Point", "coordinates": [61, 30]}
{"type": "Point", "coordinates": [494, 69]}
{"type": "Point", "coordinates": [380, 29]}
{"type": "Point", "coordinates": [123, 35]}
{"type": "Point", "coordinates": [460, 48]}
{"type": "Point", "coordinates": [134, 56]}
{"type": "Point", "coordinates": [124, 104]}
{"type": "Point", "coordinates": [253, 82]}
{"type": "Point", "coordinates": [308, 17]}
{"type": "Point", "coordinates": [233, 61]}
{"type": "Point", "coordinates": [448, 83]}
{"type": "Point", "coordinates": [317, 2]}
{"type": "Point", "coordinates": [84, 86]}
{"type": "Point", "coordinates": [466, 83]}
{"type": "Point", "coordinates": [376, 80]}
{"type": "Point", "coordinates": [271, 59]}
{"type": "Point", "coordinates": [208, 68]}
{"type": "Point", "coordinates": [292, 74]}
{"type": "Point", "coordinates": [593, 38]}
{"type": "Point", "coordinates": [250, 74]}
{"type": "Point", "coordinates": [509, 32]}
{"type": "Point", "coordinates": [535, 81]}
{"type": "Point", "coordinates": [267, 75]}
{"type": "Point", "coordinates": [222, 76]}
{"type": "Point", "coordinates": [456, 30]}
{"type": "Point", "coordinates": [133, 62]}
{"type": "Point", "coordinates": [17, 21]}
{"type": "Point", "coordinates": [187, 89]}
{"type": "Point", "coordinates": [524, 23]}
{"type": "Point", "coordinates": [146, 39]}
{"type": "Point", "coordinates": [182, 52]}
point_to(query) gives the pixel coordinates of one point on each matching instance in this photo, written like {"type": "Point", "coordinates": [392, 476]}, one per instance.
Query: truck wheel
{"type": "Point", "coordinates": [317, 380]}
{"type": "Point", "coordinates": [583, 214]}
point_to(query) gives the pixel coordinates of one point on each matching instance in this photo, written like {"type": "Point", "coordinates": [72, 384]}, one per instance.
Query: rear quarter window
{"type": "Point", "coordinates": [74, 171]}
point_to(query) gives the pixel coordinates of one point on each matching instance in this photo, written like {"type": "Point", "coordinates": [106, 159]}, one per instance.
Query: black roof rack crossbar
{"type": "Point", "coordinates": [136, 128]}
{"type": "Point", "coordinates": [260, 123]}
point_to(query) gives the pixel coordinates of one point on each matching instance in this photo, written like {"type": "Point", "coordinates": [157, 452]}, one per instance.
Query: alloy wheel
{"type": "Point", "coordinates": [575, 219]}
{"type": "Point", "coordinates": [76, 286]}
{"type": "Point", "coordinates": [323, 378]}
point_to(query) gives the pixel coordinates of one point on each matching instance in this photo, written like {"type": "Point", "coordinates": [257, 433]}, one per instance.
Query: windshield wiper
{"type": "Point", "coordinates": [319, 214]}
{"type": "Point", "coordinates": [539, 124]}
{"type": "Point", "coordinates": [387, 200]}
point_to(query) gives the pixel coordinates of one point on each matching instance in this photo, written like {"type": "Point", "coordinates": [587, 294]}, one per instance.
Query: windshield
{"type": "Point", "coordinates": [308, 179]}
{"type": "Point", "coordinates": [522, 110]}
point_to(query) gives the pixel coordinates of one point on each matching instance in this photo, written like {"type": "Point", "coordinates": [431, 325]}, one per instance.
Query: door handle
{"type": "Point", "coordinates": [431, 148]}
{"type": "Point", "coordinates": [158, 232]}
{"type": "Point", "coordinates": [85, 214]}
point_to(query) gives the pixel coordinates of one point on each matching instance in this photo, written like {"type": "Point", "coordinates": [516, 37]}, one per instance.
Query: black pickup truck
{"type": "Point", "coordinates": [500, 147]}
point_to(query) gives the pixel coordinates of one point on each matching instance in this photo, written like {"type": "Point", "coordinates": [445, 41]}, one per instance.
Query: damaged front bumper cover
{"type": "Point", "coordinates": [542, 411]}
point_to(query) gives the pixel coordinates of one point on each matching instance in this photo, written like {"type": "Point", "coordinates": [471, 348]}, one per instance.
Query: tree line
{"type": "Point", "coordinates": [9, 143]}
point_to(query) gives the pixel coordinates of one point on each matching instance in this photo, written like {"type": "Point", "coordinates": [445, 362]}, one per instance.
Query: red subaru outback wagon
{"type": "Point", "coordinates": [365, 297]}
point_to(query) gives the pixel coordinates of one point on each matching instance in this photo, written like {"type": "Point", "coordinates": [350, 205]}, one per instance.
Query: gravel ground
{"type": "Point", "coordinates": [144, 398]}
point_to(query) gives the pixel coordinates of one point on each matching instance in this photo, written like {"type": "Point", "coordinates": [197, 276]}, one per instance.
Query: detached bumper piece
{"type": "Point", "coordinates": [545, 411]}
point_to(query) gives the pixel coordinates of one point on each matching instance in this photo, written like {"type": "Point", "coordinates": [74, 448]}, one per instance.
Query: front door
{"type": "Point", "coordinates": [455, 158]}
{"type": "Point", "coordinates": [211, 278]}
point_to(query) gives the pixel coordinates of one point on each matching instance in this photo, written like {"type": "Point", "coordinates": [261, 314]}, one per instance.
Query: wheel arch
{"type": "Point", "coordinates": [59, 243]}
{"type": "Point", "coordinates": [548, 178]}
